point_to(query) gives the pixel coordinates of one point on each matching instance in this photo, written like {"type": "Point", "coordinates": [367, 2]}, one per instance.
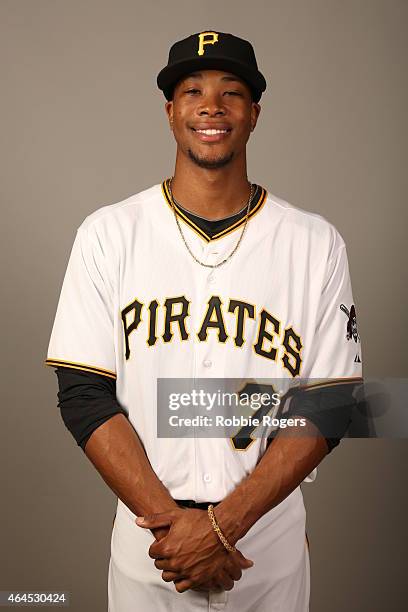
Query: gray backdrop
{"type": "Point", "coordinates": [83, 125]}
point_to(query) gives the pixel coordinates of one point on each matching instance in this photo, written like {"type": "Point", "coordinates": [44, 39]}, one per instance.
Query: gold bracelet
{"type": "Point", "coordinates": [218, 530]}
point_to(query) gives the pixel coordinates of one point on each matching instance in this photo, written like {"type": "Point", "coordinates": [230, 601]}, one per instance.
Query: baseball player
{"type": "Point", "coordinates": [206, 275]}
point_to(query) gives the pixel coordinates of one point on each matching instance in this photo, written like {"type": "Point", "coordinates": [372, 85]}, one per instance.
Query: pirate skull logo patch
{"type": "Point", "coordinates": [352, 331]}
{"type": "Point", "coordinates": [351, 327]}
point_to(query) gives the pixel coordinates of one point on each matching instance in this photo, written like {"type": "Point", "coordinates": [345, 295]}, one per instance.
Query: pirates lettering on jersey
{"type": "Point", "coordinates": [291, 357]}
{"type": "Point", "coordinates": [264, 334]}
{"type": "Point", "coordinates": [174, 315]}
{"type": "Point", "coordinates": [136, 308]}
{"type": "Point", "coordinates": [244, 310]}
{"type": "Point", "coordinates": [213, 310]}
{"type": "Point", "coordinates": [153, 337]}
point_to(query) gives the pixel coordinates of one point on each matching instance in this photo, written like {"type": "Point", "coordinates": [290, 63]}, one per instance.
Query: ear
{"type": "Point", "coordinates": [169, 110]}
{"type": "Point", "coordinates": [255, 110]}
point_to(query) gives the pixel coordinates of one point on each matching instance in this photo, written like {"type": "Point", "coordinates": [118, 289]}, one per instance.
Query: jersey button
{"type": "Point", "coordinates": [211, 278]}
{"type": "Point", "coordinates": [207, 477]}
{"type": "Point", "coordinates": [207, 363]}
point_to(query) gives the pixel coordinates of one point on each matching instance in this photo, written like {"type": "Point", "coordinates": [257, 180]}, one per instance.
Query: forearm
{"type": "Point", "coordinates": [288, 460]}
{"type": "Point", "coordinates": [117, 453]}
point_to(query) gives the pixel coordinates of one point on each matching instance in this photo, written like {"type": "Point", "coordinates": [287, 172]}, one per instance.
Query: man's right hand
{"type": "Point", "coordinates": [224, 579]}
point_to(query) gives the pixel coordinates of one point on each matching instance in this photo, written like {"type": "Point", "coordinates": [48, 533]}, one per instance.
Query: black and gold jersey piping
{"type": "Point", "coordinates": [213, 230]}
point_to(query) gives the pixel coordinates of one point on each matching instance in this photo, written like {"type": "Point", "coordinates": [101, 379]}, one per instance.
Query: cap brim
{"type": "Point", "coordinates": [170, 75]}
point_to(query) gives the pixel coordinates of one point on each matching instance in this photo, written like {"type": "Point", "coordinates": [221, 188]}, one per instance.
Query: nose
{"type": "Point", "coordinates": [211, 105]}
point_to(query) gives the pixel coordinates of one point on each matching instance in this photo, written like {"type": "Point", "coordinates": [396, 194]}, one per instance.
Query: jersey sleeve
{"type": "Point", "coordinates": [335, 352]}
{"type": "Point", "coordinates": [82, 336]}
{"type": "Point", "coordinates": [334, 365]}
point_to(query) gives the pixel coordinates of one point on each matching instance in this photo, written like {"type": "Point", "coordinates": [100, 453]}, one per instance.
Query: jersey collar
{"type": "Point", "coordinates": [236, 221]}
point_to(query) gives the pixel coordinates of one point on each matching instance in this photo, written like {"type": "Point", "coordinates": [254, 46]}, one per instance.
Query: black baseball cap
{"type": "Point", "coordinates": [211, 50]}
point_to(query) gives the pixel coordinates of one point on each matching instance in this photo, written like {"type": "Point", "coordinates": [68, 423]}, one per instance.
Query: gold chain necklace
{"type": "Point", "coordinates": [185, 241]}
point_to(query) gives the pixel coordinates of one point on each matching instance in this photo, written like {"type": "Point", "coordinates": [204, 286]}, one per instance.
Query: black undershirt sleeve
{"type": "Point", "coordinates": [332, 443]}
{"type": "Point", "coordinates": [86, 400]}
{"type": "Point", "coordinates": [329, 408]}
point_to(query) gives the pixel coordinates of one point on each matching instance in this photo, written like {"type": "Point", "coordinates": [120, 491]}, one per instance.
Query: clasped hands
{"type": "Point", "coordinates": [190, 553]}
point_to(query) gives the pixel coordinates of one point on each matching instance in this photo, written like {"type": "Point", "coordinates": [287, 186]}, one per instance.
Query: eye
{"type": "Point", "coordinates": [193, 90]}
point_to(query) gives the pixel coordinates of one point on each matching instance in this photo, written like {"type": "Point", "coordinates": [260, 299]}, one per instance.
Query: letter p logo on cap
{"type": "Point", "coordinates": [202, 38]}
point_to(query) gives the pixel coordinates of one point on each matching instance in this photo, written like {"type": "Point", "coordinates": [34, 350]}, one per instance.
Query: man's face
{"type": "Point", "coordinates": [208, 100]}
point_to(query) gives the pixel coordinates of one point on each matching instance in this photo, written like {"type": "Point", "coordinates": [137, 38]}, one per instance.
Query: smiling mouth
{"type": "Point", "coordinates": [211, 134]}
{"type": "Point", "coordinates": [211, 131]}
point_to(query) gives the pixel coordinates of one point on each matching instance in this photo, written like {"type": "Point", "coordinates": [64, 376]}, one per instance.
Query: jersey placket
{"type": "Point", "coordinates": [208, 363]}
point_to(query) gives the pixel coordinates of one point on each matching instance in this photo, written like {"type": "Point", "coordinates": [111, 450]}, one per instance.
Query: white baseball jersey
{"type": "Point", "coordinates": [135, 307]}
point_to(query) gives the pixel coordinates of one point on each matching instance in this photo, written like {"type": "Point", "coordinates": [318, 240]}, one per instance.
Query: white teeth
{"type": "Point", "coordinates": [212, 132]}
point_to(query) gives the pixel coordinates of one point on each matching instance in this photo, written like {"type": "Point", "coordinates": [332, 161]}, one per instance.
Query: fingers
{"type": "Point", "coordinates": [233, 570]}
{"type": "Point", "coordinates": [168, 576]}
{"type": "Point", "coordinates": [169, 573]}
{"type": "Point", "coordinates": [214, 584]}
{"type": "Point", "coordinates": [183, 585]}
{"type": "Point", "coordinates": [241, 560]}
{"type": "Point", "coordinates": [225, 580]}
{"type": "Point", "coordinates": [166, 565]}
{"type": "Point", "coordinates": [208, 586]}
{"type": "Point", "coordinates": [162, 519]}
{"type": "Point", "coordinates": [234, 565]}
{"type": "Point", "coordinates": [222, 581]}
{"type": "Point", "coordinates": [160, 532]}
